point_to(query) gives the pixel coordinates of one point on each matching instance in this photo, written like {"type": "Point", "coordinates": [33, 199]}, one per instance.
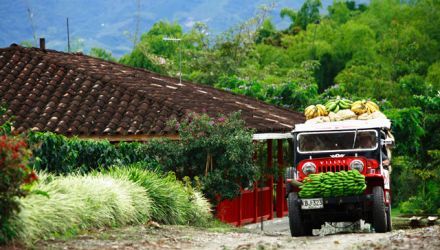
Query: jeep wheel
{"type": "Point", "coordinates": [379, 211]}
{"type": "Point", "coordinates": [296, 222]}
{"type": "Point", "coordinates": [389, 223]}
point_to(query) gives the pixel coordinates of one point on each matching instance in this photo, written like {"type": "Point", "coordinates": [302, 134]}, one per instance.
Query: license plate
{"type": "Point", "coordinates": [312, 203]}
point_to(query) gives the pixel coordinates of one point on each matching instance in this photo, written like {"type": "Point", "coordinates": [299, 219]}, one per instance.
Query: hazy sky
{"type": "Point", "coordinates": [110, 24]}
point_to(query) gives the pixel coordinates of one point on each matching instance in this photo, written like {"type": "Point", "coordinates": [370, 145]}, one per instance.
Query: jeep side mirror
{"type": "Point", "coordinates": [388, 142]}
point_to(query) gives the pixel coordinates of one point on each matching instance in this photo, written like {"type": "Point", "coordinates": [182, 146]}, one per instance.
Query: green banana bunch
{"type": "Point", "coordinates": [338, 104]}
{"type": "Point", "coordinates": [333, 184]}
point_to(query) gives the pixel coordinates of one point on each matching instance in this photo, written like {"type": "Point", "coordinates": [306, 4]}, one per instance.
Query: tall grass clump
{"type": "Point", "coordinates": [200, 212]}
{"type": "Point", "coordinates": [171, 201]}
{"type": "Point", "coordinates": [75, 202]}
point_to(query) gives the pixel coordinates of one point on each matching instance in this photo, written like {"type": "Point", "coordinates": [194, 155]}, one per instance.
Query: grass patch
{"type": "Point", "coordinates": [75, 203]}
{"type": "Point", "coordinates": [200, 209]}
{"type": "Point", "coordinates": [126, 195]}
{"type": "Point", "coordinates": [172, 202]}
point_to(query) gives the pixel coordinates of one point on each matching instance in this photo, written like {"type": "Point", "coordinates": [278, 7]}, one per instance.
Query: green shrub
{"type": "Point", "coordinates": [219, 151]}
{"type": "Point", "coordinates": [412, 206]}
{"type": "Point", "coordinates": [171, 203]}
{"type": "Point", "coordinates": [416, 185]}
{"type": "Point", "coordinates": [132, 152]}
{"type": "Point", "coordinates": [75, 203]}
{"type": "Point", "coordinates": [15, 176]}
{"type": "Point", "coordinates": [403, 179]}
{"type": "Point", "coordinates": [59, 154]}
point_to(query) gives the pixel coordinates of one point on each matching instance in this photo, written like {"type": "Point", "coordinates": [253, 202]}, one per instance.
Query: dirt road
{"type": "Point", "coordinates": [180, 237]}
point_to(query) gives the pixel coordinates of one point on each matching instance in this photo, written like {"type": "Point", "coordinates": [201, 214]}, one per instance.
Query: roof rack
{"type": "Point", "coordinates": [343, 125]}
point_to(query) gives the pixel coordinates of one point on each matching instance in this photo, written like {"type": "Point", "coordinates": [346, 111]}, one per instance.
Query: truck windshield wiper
{"type": "Point", "coordinates": [354, 140]}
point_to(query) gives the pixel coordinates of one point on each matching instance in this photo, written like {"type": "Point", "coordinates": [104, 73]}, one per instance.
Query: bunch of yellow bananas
{"type": "Point", "coordinates": [313, 111]}
{"type": "Point", "coordinates": [335, 105]}
{"type": "Point", "coordinates": [361, 107]}
{"type": "Point", "coordinates": [338, 104]}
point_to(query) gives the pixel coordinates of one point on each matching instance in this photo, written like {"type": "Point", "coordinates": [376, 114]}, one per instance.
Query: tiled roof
{"type": "Point", "coordinates": [75, 94]}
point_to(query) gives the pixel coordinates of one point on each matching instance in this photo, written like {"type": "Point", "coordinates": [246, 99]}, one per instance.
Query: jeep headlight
{"type": "Point", "coordinates": [357, 165]}
{"type": "Point", "coordinates": [309, 168]}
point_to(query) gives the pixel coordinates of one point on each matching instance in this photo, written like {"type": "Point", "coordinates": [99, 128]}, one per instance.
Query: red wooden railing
{"type": "Point", "coordinates": [253, 205]}
{"type": "Point", "coordinates": [249, 207]}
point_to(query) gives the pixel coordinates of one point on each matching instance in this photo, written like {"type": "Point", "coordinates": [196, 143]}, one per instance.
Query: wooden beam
{"type": "Point", "coordinates": [270, 177]}
{"type": "Point", "coordinates": [280, 182]}
{"type": "Point", "coordinates": [267, 136]}
{"type": "Point", "coordinates": [120, 138]}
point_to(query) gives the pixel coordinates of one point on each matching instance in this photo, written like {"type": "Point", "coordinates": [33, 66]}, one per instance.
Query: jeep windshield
{"type": "Point", "coordinates": [337, 141]}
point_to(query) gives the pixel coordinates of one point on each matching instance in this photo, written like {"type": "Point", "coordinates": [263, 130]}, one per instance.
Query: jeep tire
{"type": "Point", "coordinates": [296, 222]}
{"type": "Point", "coordinates": [379, 210]}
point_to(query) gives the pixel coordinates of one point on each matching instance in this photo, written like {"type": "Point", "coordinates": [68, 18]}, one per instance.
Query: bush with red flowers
{"type": "Point", "coordinates": [15, 179]}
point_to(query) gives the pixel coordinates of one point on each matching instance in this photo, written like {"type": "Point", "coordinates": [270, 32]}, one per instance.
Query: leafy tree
{"type": "Point", "coordinates": [341, 11]}
{"type": "Point", "coordinates": [268, 34]}
{"type": "Point", "coordinates": [142, 59]}
{"type": "Point", "coordinates": [102, 53]}
{"type": "Point", "coordinates": [296, 90]}
{"type": "Point", "coordinates": [309, 13]}
{"type": "Point", "coordinates": [152, 52]}
{"type": "Point", "coordinates": [291, 14]}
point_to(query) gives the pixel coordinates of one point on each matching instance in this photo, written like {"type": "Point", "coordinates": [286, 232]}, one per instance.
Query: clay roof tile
{"type": "Point", "coordinates": [78, 94]}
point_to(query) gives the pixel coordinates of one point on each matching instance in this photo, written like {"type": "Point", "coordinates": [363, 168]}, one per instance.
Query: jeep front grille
{"type": "Point", "coordinates": [332, 168]}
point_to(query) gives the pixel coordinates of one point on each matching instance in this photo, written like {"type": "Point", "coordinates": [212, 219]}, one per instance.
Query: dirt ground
{"type": "Point", "coordinates": [182, 237]}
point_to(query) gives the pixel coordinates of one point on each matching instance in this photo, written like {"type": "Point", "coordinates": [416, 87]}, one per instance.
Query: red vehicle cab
{"type": "Point", "coordinates": [361, 145]}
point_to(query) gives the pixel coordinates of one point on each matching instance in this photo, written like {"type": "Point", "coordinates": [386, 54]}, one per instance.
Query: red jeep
{"type": "Point", "coordinates": [362, 145]}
